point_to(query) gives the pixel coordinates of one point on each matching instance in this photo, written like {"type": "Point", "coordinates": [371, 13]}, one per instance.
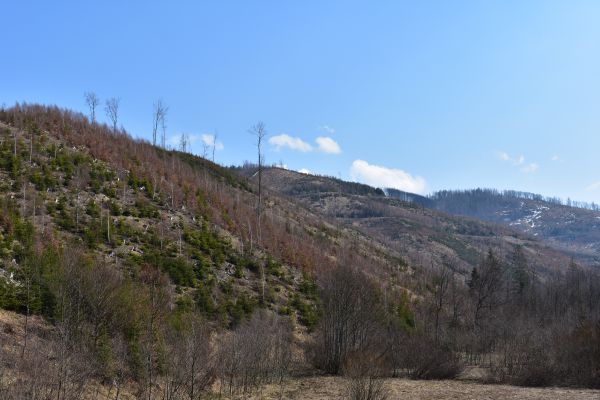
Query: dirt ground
{"type": "Point", "coordinates": [319, 388]}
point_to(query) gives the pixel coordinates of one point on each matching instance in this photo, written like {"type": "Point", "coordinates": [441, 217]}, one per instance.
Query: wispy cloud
{"type": "Point", "coordinates": [593, 186]}
{"type": "Point", "coordinates": [529, 168]}
{"type": "Point", "coordinates": [327, 128]}
{"type": "Point", "coordinates": [518, 161]}
{"type": "Point", "coordinates": [503, 156]}
{"type": "Point", "coordinates": [384, 177]}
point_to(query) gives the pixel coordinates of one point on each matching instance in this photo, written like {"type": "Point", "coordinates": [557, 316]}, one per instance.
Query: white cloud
{"type": "Point", "coordinates": [593, 186]}
{"type": "Point", "coordinates": [529, 168]}
{"type": "Point", "coordinates": [555, 158]}
{"type": "Point", "coordinates": [209, 140]}
{"type": "Point", "coordinates": [305, 171]}
{"type": "Point", "coordinates": [323, 144]}
{"type": "Point", "coordinates": [518, 162]}
{"type": "Point", "coordinates": [294, 143]}
{"type": "Point", "coordinates": [384, 177]}
{"type": "Point", "coordinates": [327, 129]}
{"type": "Point", "coordinates": [328, 145]}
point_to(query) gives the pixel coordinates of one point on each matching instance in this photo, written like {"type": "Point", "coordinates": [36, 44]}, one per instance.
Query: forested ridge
{"type": "Point", "coordinates": [149, 272]}
{"type": "Point", "coordinates": [567, 225]}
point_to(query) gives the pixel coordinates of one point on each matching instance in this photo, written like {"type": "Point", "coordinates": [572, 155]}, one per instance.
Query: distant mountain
{"type": "Point", "coordinates": [572, 229]}
{"type": "Point", "coordinates": [410, 224]}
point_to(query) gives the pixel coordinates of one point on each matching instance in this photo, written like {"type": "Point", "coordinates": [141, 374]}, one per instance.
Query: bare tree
{"type": "Point", "coordinates": [92, 100]}
{"type": "Point", "coordinates": [120, 368]}
{"type": "Point", "coordinates": [214, 145]}
{"type": "Point", "coordinates": [350, 318]}
{"type": "Point", "coordinates": [441, 282]}
{"type": "Point", "coordinates": [33, 130]}
{"type": "Point", "coordinates": [107, 224]}
{"type": "Point", "coordinates": [205, 147]}
{"type": "Point", "coordinates": [158, 117]}
{"type": "Point", "coordinates": [28, 278]}
{"type": "Point", "coordinates": [190, 360]}
{"type": "Point", "coordinates": [485, 287]}
{"type": "Point", "coordinates": [184, 142]}
{"type": "Point", "coordinates": [80, 181]}
{"type": "Point", "coordinates": [112, 111]}
{"type": "Point", "coordinates": [163, 138]}
{"type": "Point", "coordinates": [259, 131]}
{"type": "Point", "coordinates": [100, 286]}
{"type": "Point", "coordinates": [257, 352]}
{"type": "Point", "coordinates": [159, 298]}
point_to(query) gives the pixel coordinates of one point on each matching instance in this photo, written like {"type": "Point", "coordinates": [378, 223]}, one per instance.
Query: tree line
{"type": "Point", "coordinates": [448, 199]}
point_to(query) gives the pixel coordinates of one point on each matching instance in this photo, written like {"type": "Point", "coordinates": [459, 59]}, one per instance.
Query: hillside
{"type": "Point", "coordinates": [427, 237]}
{"type": "Point", "coordinates": [62, 193]}
{"type": "Point", "coordinates": [571, 229]}
{"type": "Point", "coordinates": [125, 242]}
{"type": "Point", "coordinates": [133, 204]}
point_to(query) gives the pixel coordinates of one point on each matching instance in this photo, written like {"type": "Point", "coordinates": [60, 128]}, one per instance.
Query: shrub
{"type": "Point", "coordinates": [309, 313]}
{"type": "Point", "coordinates": [257, 352]}
{"type": "Point", "coordinates": [179, 270]}
{"type": "Point", "coordinates": [204, 301]}
{"type": "Point", "coordinates": [190, 362]}
{"type": "Point", "coordinates": [92, 209]}
{"type": "Point", "coordinates": [422, 358]}
{"type": "Point", "coordinates": [364, 373]}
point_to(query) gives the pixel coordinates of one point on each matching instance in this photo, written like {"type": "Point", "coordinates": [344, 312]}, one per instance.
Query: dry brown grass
{"type": "Point", "coordinates": [321, 388]}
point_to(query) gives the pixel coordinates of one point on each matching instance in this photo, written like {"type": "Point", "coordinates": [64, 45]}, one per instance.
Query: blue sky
{"type": "Point", "coordinates": [420, 95]}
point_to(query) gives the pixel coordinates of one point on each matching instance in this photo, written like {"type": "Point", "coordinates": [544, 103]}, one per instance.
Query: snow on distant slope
{"type": "Point", "coordinates": [529, 221]}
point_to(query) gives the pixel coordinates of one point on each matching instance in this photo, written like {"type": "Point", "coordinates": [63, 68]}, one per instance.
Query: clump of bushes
{"type": "Point", "coordinates": [364, 375]}
{"type": "Point", "coordinates": [257, 352]}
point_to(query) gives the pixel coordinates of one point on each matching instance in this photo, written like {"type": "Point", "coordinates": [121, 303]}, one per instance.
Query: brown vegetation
{"type": "Point", "coordinates": [196, 288]}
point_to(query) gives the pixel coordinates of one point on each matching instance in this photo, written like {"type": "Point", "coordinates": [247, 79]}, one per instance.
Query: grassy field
{"type": "Point", "coordinates": [321, 388]}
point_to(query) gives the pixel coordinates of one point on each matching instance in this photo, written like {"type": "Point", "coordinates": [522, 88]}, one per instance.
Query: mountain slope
{"type": "Point", "coordinates": [573, 230]}
{"type": "Point", "coordinates": [426, 236]}
{"type": "Point", "coordinates": [130, 204]}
